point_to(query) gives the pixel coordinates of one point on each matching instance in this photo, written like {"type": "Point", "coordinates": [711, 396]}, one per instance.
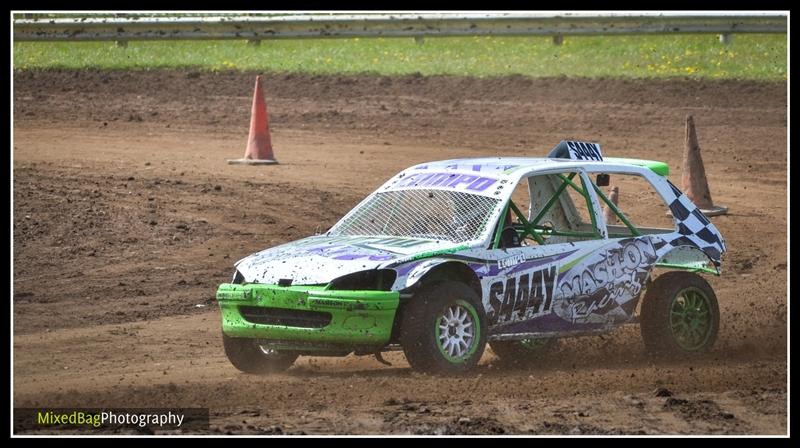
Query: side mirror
{"type": "Point", "coordinates": [603, 180]}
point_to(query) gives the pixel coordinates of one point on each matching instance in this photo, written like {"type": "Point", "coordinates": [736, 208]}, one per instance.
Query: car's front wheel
{"type": "Point", "coordinates": [443, 329]}
{"type": "Point", "coordinates": [250, 357]}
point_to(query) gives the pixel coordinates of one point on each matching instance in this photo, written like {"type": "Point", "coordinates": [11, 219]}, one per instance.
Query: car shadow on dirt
{"type": "Point", "coordinates": [560, 361]}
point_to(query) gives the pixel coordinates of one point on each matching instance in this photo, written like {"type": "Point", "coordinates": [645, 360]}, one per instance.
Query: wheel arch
{"type": "Point", "coordinates": [429, 273]}
{"type": "Point", "coordinates": [687, 258]}
{"type": "Point", "coordinates": [436, 270]}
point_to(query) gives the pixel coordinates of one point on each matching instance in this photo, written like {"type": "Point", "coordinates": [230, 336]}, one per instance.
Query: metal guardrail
{"type": "Point", "coordinates": [292, 26]}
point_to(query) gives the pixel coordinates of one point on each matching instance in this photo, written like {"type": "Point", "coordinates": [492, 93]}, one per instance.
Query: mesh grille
{"type": "Point", "coordinates": [286, 317]}
{"type": "Point", "coordinates": [420, 213]}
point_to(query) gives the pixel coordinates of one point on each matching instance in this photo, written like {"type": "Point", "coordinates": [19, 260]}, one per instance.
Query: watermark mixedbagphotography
{"type": "Point", "coordinates": [96, 419]}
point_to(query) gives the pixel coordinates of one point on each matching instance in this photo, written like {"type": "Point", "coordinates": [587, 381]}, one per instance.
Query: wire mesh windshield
{"type": "Point", "coordinates": [432, 214]}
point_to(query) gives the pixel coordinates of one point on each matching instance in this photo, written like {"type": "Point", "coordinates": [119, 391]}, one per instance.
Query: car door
{"type": "Point", "coordinates": [528, 294]}
{"type": "Point", "coordinates": [602, 288]}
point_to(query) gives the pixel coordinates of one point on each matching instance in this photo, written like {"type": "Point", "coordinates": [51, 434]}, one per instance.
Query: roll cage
{"type": "Point", "coordinates": [535, 230]}
{"type": "Point", "coordinates": [532, 226]}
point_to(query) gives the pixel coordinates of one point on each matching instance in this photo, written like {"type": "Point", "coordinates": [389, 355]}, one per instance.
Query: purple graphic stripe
{"type": "Point", "coordinates": [406, 268]}
{"type": "Point", "coordinates": [546, 323]}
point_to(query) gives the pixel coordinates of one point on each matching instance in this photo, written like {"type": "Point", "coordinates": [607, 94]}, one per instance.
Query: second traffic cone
{"type": "Point", "coordinates": [259, 143]}
{"type": "Point", "coordinates": [693, 178]}
{"type": "Point", "coordinates": [611, 217]}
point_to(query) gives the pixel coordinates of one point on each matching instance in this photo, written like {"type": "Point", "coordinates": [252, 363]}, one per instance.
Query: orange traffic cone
{"type": "Point", "coordinates": [693, 178]}
{"type": "Point", "coordinates": [611, 217]}
{"type": "Point", "coordinates": [259, 144]}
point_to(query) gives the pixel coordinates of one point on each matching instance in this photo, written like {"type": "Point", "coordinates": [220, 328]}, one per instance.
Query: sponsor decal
{"type": "Point", "coordinates": [326, 303]}
{"type": "Point", "coordinates": [584, 151]}
{"type": "Point", "coordinates": [601, 286]}
{"type": "Point", "coordinates": [464, 182]}
{"type": "Point", "coordinates": [510, 261]}
{"type": "Point", "coordinates": [525, 295]}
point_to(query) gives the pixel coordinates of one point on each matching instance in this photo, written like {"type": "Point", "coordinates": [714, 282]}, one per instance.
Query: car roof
{"type": "Point", "coordinates": [515, 167]}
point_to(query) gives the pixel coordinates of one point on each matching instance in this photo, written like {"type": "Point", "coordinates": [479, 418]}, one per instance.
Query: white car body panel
{"type": "Point", "coordinates": [532, 290]}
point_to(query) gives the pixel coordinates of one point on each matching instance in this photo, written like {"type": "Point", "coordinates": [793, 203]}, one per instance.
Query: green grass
{"type": "Point", "coordinates": [750, 56]}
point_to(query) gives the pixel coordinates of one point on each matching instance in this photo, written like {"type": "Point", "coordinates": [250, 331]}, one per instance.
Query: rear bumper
{"type": "Point", "coordinates": [307, 315]}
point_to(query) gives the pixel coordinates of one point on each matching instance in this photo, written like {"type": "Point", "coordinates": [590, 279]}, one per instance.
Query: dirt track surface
{"type": "Point", "coordinates": [126, 217]}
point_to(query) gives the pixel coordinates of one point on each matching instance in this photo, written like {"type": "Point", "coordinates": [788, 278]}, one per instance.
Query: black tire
{"type": "Point", "coordinates": [420, 324]}
{"type": "Point", "coordinates": [524, 352]}
{"type": "Point", "coordinates": [680, 315]}
{"type": "Point", "coordinates": [246, 355]}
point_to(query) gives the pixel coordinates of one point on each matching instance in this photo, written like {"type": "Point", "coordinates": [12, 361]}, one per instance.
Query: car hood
{"type": "Point", "coordinates": [320, 259]}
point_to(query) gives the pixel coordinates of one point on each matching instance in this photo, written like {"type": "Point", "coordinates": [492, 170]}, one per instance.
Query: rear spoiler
{"type": "Point", "coordinates": [660, 168]}
{"type": "Point", "coordinates": [576, 150]}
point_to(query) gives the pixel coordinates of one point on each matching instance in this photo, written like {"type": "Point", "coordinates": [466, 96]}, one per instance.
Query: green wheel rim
{"type": "Point", "coordinates": [457, 331]}
{"type": "Point", "coordinates": [690, 319]}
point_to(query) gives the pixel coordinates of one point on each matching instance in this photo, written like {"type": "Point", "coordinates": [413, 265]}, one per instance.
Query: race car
{"type": "Point", "coordinates": [448, 256]}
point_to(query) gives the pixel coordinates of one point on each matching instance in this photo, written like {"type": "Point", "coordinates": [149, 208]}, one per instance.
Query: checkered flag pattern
{"type": "Point", "coordinates": [694, 228]}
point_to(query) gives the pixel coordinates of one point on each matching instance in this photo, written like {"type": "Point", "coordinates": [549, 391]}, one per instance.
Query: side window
{"type": "Point", "coordinates": [559, 211]}
{"type": "Point", "coordinates": [640, 209]}
{"type": "Point", "coordinates": [522, 200]}
{"type": "Point", "coordinates": [583, 218]}
{"type": "Point", "coordinates": [520, 214]}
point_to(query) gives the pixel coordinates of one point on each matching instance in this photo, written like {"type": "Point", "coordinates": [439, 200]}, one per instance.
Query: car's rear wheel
{"type": "Point", "coordinates": [523, 352]}
{"type": "Point", "coordinates": [680, 315]}
{"type": "Point", "coordinates": [443, 329]}
{"type": "Point", "coordinates": [249, 356]}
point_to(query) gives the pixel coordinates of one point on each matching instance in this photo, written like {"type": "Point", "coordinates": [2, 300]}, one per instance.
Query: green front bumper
{"type": "Point", "coordinates": [356, 318]}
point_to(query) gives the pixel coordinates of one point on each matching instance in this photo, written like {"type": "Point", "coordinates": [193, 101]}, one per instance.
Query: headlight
{"type": "Point", "coordinates": [371, 280]}
{"type": "Point", "coordinates": [238, 278]}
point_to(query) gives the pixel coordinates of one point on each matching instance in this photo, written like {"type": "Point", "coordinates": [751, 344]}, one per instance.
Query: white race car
{"type": "Point", "coordinates": [447, 256]}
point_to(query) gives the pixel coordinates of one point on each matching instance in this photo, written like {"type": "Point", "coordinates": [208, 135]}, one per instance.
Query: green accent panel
{"type": "Point", "coordinates": [357, 317]}
{"type": "Point", "coordinates": [434, 253]}
{"type": "Point", "coordinates": [566, 267]}
{"type": "Point", "coordinates": [660, 168]}
{"type": "Point", "coordinates": [688, 267]}
{"type": "Point", "coordinates": [359, 322]}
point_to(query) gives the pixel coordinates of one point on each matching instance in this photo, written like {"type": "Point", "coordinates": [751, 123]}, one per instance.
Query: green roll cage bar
{"type": "Point", "coordinates": [538, 232]}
